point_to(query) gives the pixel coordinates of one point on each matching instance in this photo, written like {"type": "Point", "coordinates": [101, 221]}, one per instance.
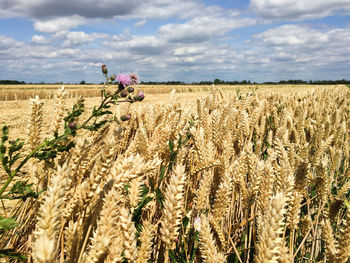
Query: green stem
{"type": "Point", "coordinates": [36, 149]}
{"type": "Point", "coordinates": [13, 174]}
{"type": "Point", "coordinates": [100, 107]}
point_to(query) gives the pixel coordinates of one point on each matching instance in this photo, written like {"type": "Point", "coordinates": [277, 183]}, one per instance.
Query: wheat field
{"type": "Point", "coordinates": [47, 91]}
{"type": "Point", "coordinates": [224, 176]}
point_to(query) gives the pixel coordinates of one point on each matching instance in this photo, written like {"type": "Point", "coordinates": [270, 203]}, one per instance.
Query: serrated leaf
{"type": "Point", "coordinates": [15, 158]}
{"type": "Point", "coordinates": [2, 149]}
{"type": "Point", "coordinates": [5, 132]}
{"type": "Point", "coordinates": [5, 160]}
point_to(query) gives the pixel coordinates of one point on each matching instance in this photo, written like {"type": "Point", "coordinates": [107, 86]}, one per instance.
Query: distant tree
{"type": "Point", "coordinates": [82, 82]}
{"type": "Point", "coordinates": [217, 81]}
{"type": "Point", "coordinates": [11, 82]}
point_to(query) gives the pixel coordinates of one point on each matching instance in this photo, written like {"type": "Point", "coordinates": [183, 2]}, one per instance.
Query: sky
{"type": "Point", "coordinates": [175, 40]}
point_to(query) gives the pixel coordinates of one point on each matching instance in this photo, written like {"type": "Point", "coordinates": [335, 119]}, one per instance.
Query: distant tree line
{"type": "Point", "coordinates": [11, 82]}
{"type": "Point", "coordinates": [216, 82]}
{"type": "Point", "coordinates": [247, 82]}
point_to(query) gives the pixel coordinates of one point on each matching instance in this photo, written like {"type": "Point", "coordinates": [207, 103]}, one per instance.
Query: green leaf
{"type": "Point", "coordinates": [95, 126]}
{"type": "Point", "coordinates": [138, 211]}
{"type": "Point", "coordinates": [185, 222]}
{"type": "Point", "coordinates": [159, 197]}
{"type": "Point", "coordinates": [5, 132]}
{"type": "Point", "coordinates": [171, 146]}
{"type": "Point", "coordinates": [2, 149]}
{"type": "Point", "coordinates": [162, 172]}
{"type": "Point", "coordinates": [21, 190]}
{"type": "Point", "coordinates": [12, 254]}
{"type": "Point", "coordinates": [126, 187]}
{"type": "Point", "coordinates": [172, 256]}
{"type": "Point", "coordinates": [145, 191]}
{"type": "Point", "coordinates": [46, 155]}
{"type": "Point", "coordinates": [7, 223]}
{"type": "Point", "coordinates": [14, 159]}
{"type": "Point", "coordinates": [5, 160]}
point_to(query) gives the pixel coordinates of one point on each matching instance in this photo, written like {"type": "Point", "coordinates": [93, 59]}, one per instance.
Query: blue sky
{"type": "Point", "coordinates": [186, 40]}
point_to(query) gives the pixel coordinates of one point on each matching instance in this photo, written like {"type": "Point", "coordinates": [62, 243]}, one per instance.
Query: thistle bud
{"type": "Point", "coordinates": [104, 69]}
{"type": "Point", "coordinates": [140, 96]}
{"type": "Point", "coordinates": [130, 89]}
{"type": "Point", "coordinates": [124, 93]}
{"type": "Point", "coordinates": [125, 117]}
{"type": "Point", "coordinates": [113, 77]}
{"type": "Point", "coordinates": [120, 86]}
{"type": "Point", "coordinates": [72, 125]}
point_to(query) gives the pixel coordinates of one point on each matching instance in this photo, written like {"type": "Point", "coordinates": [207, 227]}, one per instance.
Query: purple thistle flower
{"type": "Point", "coordinates": [124, 79]}
{"type": "Point", "coordinates": [134, 78]}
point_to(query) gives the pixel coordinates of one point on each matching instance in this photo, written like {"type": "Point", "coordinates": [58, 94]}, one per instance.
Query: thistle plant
{"type": "Point", "coordinates": [13, 158]}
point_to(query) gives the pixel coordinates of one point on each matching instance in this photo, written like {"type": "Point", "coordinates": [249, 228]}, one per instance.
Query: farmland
{"type": "Point", "coordinates": [207, 174]}
{"type": "Point", "coordinates": [46, 91]}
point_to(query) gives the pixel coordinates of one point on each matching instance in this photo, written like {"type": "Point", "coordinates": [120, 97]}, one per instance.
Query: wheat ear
{"type": "Point", "coordinates": [103, 235]}
{"type": "Point", "coordinates": [270, 230]}
{"type": "Point", "coordinates": [208, 248]}
{"type": "Point", "coordinates": [344, 240]}
{"type": "Point", "coordinates": [49, 219]}
{"type": "Point", "coordinates": [128, 231]}
{"type": "Point", "coordinates": [146, 237]}
{"type": "Point", "coordinates": [173, 204]}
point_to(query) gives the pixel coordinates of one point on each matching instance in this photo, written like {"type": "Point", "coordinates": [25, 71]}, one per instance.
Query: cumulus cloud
{"type": "Point", "coordinates": [293, 35]}
{"type": "Point", "coordinates": [9, 42]}
{"type": "Point", "coordinates": [48, 9]}
{"type": "Point", "coordinates": [298, 9]}
{"type": "Point", "coordinates": [201, 45]}
{"type": "Point", "coordinates": [40, 9]}
{"type": "Point", "coordinates": [39, 39]}
{"type": "Point", "coordinates": [200, 29]}
{"type": "Point", "coordinates": [59, 24]}
{"type": "Point", "coordinates": [305, 51]}
{"type": "Point", "coordinates": [79, 38]}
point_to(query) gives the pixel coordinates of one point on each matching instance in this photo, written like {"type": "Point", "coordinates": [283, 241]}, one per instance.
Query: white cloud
{"type": "Point", "coordinates": [199, 45]}
{"type": "Point", "coordinates": [293, 35]}
{"type": "Point", "coordinates": [80, 38]}
{"type": "Point", "coordinates": [140, 23]}
{"type": "Point", "coordinates": [202, 28]}
{"type": "Point", "coordinates": [39, 39]}
{"type": "Point", "coordinates": [59, 24]}
{"type": "Point", "coordinates": [9, 43]}
{"type": "Point", "coordinates": [301, 48]}
{"type": "Point", "coordinates": [298, 9]}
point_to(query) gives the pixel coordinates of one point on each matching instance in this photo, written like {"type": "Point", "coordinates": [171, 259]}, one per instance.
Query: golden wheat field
{"type": "Point", "coordinates": [217, 175]}
{"type": "Point", "coordinates": [47, 91]}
